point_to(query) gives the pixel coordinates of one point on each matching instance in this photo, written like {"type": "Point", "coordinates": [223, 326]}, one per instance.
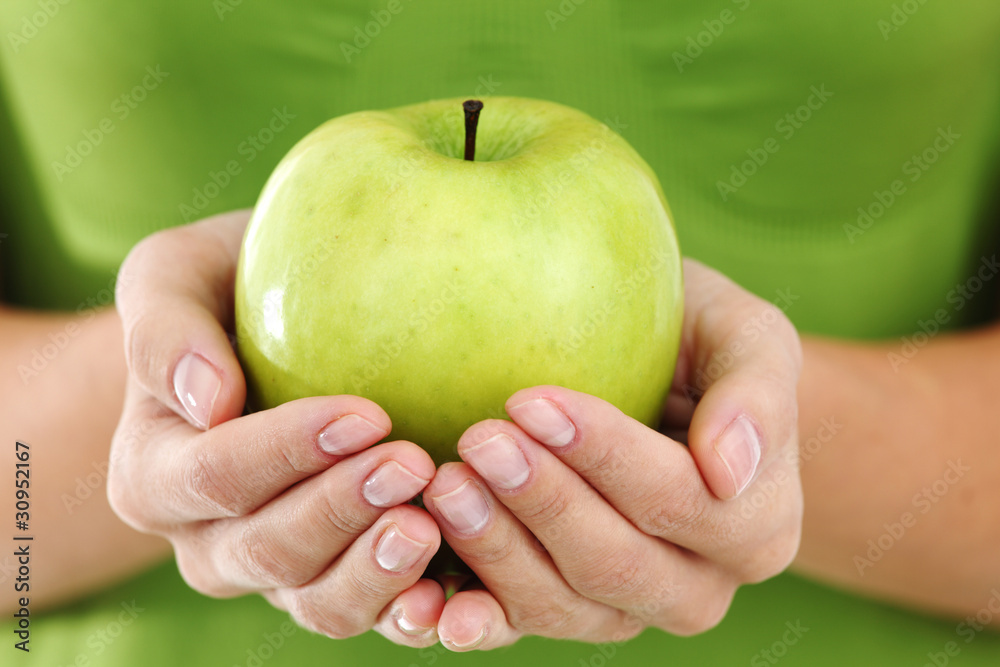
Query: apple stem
{"type": "Point", "coordinates": [472, 109]}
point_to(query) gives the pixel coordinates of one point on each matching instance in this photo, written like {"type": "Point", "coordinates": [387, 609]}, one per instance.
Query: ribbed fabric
{"type": "Point", "coordinates": [707, 92]}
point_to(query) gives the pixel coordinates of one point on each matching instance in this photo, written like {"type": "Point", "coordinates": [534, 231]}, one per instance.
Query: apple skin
{"type": "Point", "coordinates": [381, 264]}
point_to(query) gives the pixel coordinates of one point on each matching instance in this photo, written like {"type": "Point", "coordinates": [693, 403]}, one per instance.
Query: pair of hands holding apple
{"type": "Point", "coordinates": [579, 521]}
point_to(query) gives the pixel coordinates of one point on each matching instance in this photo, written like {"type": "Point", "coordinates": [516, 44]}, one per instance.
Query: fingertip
{"type": "Point", "coordinates": [411, 619]}
{"type": "Point", "coordinates": [730, 459]}
{"type": "Point", "coordinates": [545, 420]}
{"type": "Point", "coordinates": [367, 408]}
{"type": "Point", "coordinates": [420, 607]}
{"type": "Point", "coordinates": [415, 523]}
{"type": "Point", "coordinates": [542, 391]}
{"type": "Point", "coordinates": [449, 476]}
{"type": "Point", "coordinates": [348, 433]}
{"type": "Point", "coordinates": [473, 620]}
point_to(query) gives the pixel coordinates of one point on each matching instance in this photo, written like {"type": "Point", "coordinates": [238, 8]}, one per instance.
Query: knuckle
{"type": "Point", "coordinates": [290, 458]}
{"type": "Point", "coordinates": [121, 498]}
{"type": "Point", "coordinates": [139, 348]}
{"type": "Point", "coordinates": [490, 553]}
{"type": "Point", "coordinates": [193, 569]}
{"type": "Point", "coordinates": [212, 490]}
{"type": "Point", "coordinates": [771, 558]}
{"type": "Point", "coordinates": [625, 577]}
{"type": "Point", "coordinates": [548, 508]}
{"type": "Point", "coordinates": [704, 616]}
{"type": "Point", "coordinates": [629, 629]}
{"type": "Point", "coordinates": [678, 512]}
{"type": "Point", "coordinates": [324, 621]}
{"type": "Point", "coordinates": [606, 463]}
{"type": "Point", "coordinates": [262, 562]}
{"type": "Point", "coordinates": [139, 256]}
{"type": "Point", "coordinates": [343, 519]}
{"type": "Point", "coordinates": [122, 504]}
{"type": "Point", "coordinates": [551, 618]}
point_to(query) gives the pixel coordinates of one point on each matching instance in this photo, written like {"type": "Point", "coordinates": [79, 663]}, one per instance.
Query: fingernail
{"type": "Point", "coordinates": [197, 385]}
{"type": "Point", "coordinates": [739, 449]}
{"type": "Point", "coordinates": [408, 627]}
{"type": "Point", "coordinates": [465, 508]}
{"type": "Point", "coordinates": [499, 460]}
{"type": "Point", "coordinates": [347, 434]}
{"type": "Point", "coordinates": [396, 552]}
{"type": "Point", "coordinates": [544, 422]}
{"type": "Point", "coordinates": [468, 646]}
{"type": "Point", "coordinates": [391, 484]}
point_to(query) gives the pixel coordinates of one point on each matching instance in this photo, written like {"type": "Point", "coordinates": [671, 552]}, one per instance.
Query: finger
{"type": "Point", "coordinates": [185, 475]}
{"type": "Point", "coordinates": [474, 620]}
{"type": "Point", "coordinates": [289, 541]}
{"type": "Point", "coordinates": [748, 413]}
{"type": "Point", "coordinates": [655, 483]}
{"type": "Point", "coordinates": [651, 480]}
{"type": "Point", "coordinates": [412, 618]}
{"type": "Point", "coordinates": [601, 554]}
{"type": "Point", "coordinates": [175, 296]}
{"type": "Point", "coordinates": [389, 558]}
{"type": "Point", "coordinates": [511, 564]}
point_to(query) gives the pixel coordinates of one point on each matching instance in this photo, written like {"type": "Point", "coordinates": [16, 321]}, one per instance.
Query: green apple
{"type": "Point", "coordinates": [379, 262]}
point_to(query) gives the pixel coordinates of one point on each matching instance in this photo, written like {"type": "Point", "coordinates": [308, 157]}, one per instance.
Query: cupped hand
{"type": "Point", "coordinates": [582, 523]}
{"type": "Point", "coordinates": [293, 502]}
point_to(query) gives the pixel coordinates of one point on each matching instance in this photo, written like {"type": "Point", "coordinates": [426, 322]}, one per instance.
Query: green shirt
{"type": "Point", "coordinates": [837, 158]}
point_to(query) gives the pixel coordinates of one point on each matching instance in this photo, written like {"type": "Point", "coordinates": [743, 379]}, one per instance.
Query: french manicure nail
{"type": "Point", "coordinates": [391, 484]}
{"type": "Point", "coordinates": [464, 508]}
{"type": "Point", "coordinates": [396, 552]}
{"type": "Point", "coordinates": [739, 449]}
{"type": "Point", "coordinates": [347, 434]}
{"type": "Point", "coordinates": [499, 460]}
{"type": "Point", "coordinates": [197, 385]}
{"type": "Point", "coordinates": [544, 422]}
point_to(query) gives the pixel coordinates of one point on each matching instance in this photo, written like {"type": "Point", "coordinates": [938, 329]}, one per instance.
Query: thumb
{"type": "Point", "coordinates": [748, 413]}
{"type": "Point", "coordinates": [175, 298]}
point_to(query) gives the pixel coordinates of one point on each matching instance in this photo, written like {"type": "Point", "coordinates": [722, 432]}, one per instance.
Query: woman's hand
{"type": "Point", "coordinates": [583, 523]}
{"type": "Point", "coordinates": [293, 502]}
